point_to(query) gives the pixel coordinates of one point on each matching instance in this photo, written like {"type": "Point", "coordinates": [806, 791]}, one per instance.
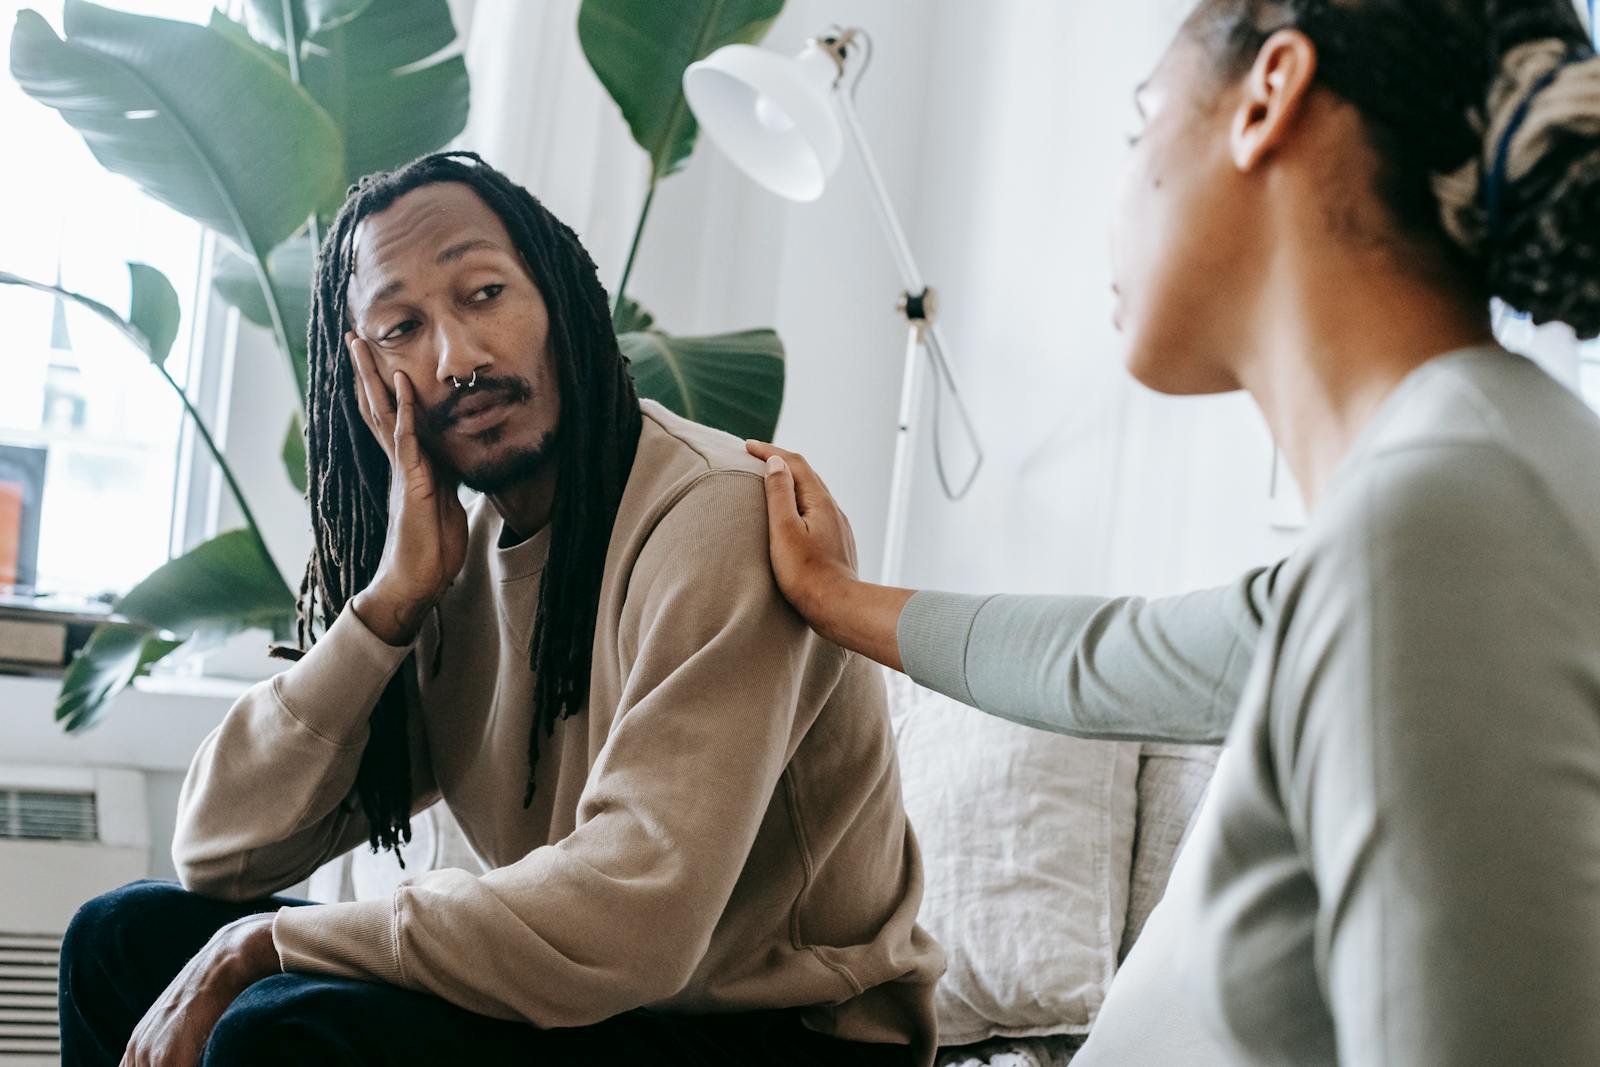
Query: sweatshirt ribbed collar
{"type": "Point", "coordinates": [520, 561]}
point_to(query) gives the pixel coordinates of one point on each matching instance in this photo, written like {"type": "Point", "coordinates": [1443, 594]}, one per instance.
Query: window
{"type": "Point", "coordinates": [1589, 373]}
{"type": "Point", "coordinates": [1555, 347]}
{"type": "Point", "coordinates": [78, 401]}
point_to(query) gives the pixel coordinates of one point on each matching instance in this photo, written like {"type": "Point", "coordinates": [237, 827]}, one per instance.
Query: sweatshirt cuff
{"type": "Point", "coordinates": [356, 940]}
{"type": "Point", "coordinates": [933, 633]}
{"type": "Point", "coordinates": [334, 687]}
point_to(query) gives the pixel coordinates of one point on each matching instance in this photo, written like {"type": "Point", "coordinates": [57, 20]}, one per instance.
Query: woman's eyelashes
{"type": "Point", "coordinates": [488, 292]}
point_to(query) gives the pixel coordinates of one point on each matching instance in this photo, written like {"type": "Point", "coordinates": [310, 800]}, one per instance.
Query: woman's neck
{"type": "Point", "coordinates": [1334, 337]}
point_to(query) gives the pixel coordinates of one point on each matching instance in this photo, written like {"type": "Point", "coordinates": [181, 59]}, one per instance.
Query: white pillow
{"type": "Point", "coordinates": [1027, 840]}
{"type": "Point", "coordinates": [1151, 1016]}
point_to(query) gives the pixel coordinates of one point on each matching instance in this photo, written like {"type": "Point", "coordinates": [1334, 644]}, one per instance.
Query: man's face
{"type": "Point", "coordinates": [439, 293]}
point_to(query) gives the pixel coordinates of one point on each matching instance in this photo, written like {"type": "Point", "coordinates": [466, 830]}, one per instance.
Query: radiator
{"type": "Point", "coordinates": [66, 834]}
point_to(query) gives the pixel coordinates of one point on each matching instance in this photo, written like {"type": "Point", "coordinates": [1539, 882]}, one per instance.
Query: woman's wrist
{"type": "Point", "coordinates": [860, 616]}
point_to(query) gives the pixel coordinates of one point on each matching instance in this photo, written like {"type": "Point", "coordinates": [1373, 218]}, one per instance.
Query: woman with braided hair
{"type": "Point", "coordinates": [1398, 861]}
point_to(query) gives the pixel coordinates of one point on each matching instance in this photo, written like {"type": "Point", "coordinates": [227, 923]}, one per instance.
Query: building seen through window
{"type": "Point", "coordinates": [90, 436]}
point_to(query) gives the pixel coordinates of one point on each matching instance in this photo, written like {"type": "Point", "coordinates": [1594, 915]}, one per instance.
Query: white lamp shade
{"type": "Point", "coordinates": [773, 115]}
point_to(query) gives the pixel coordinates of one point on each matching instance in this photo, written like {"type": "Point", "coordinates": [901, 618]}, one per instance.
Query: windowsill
{"type": "Point", "coordinates": [155, 726]}
{"type": "Point", "coordinates": [198, 686]}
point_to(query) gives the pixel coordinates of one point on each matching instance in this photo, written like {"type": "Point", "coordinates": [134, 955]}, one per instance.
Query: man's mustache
{"type": "Point", "coordinates": [440, 417]}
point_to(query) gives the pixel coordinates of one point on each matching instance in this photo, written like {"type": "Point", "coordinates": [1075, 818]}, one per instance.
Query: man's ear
{"type": "Point", "coordinates": [1275, 91]}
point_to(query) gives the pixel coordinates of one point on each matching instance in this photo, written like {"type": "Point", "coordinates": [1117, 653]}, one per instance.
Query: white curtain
{"type": "Point", "coordinates": [540, 114]}
{"type": "Point", "coordinates": [1094, 484]}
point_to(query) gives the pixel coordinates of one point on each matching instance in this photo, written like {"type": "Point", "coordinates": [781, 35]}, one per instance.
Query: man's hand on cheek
{"type": "Point", "coordinates": [173, 1033]}
{"type": "Point", "coordinates": [425, 546]}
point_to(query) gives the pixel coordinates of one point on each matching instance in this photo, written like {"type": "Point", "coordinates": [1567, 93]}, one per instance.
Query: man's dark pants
{"type": "Point", "coordinates": [123, 948]}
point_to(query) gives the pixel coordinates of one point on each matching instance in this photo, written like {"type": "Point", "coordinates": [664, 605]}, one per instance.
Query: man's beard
{"type": "Point", "coordinates": [511, 468]}
{"type": "Point", "coordinates": [515, 467]}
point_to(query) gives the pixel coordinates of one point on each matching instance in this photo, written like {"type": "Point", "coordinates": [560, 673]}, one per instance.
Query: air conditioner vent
{"type": "Point", "coordinates": [36, 815]}
{"type": "Point", "coordinates": [28, 1020]}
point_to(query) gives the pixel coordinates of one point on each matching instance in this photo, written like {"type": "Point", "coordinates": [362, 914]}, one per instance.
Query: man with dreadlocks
{"type": "Point", "coordinates": [688, 805]}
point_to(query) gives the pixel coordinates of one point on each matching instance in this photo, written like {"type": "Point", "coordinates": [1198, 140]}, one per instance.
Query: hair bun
{"type": "Point", "coordinates": [1529, 207]}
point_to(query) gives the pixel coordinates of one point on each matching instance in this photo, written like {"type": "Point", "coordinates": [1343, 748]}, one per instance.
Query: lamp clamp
{"type": "Point", "coordinates": [920, 309]}
{"type": "Point", "coordinates": [837, 42]}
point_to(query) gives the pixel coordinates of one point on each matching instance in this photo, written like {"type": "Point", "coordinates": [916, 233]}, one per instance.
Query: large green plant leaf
{"type": "Point", "coordinates": [155, 312]}
{"type": "Point", "coordinates": [310, 17]}
{"type": "Point", "coordinates": [391, 79]}
{"type": "Point", "coordinates": [294, 453]}
{"type": "Point", "coordinates": [136, 336]}
{"type": "Point", "coordinates": [640, 49]}
{"type": "Point", "coordinates": [198, 121]}
{"type": "Point", "coordinates": [222, 586]}
{"type": "Point", "coordinates": [289, 267]}
{"type": "Point", "coordinates": [630, 316]}
{"type": "Point", "coordinates": [115, 655]}
{"type": "Point", "coordinates": [382, 78]}
{"type": "Point", "coordinates": [731, 381]}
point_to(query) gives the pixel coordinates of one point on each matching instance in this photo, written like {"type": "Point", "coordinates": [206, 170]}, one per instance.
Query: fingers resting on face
{"type": "Point", "coordinates": [380, 402]}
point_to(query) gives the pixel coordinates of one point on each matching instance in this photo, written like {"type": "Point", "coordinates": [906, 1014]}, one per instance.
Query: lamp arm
{"type": "Point", "coordinates": [899, 247]}
{"type": "Point", "coordinates": [911, 277]}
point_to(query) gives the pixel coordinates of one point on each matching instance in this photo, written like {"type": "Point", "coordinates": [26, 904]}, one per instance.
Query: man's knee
{"type": "Point", "coordinates": [101, 924]}
{"type": "Point", "coordinates": [286, 1018]}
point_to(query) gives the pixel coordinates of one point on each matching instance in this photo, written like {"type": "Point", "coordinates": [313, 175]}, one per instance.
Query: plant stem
{"type": "Point", "coordinates": [633, 251]}
{"type": "Point", "coordinates": [216, 454]}
{"type": "Point", "coordinates": [291, 39]}
{"type": "Point", "coordinates": [280, 332]}
{"type": "Point", "coordinates": [291, 42]}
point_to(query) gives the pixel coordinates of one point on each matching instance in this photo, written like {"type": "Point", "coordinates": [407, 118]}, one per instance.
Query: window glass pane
{"type": "Point", "coordinates": [1589, 374]}
{"type": "Point", "coordinates": [108, 426]}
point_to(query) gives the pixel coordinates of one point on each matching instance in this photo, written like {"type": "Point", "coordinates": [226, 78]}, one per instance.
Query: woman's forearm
{"type": "Point", "coordinates": [860, 616]}
{"type": "Point", "coordinates": [1100, 667]}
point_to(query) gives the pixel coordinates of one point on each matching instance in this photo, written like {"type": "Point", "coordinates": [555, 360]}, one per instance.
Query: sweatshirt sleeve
{"type": "Point", "coordinates": [268, 797]}
{"type": "Point", "coordinates": [1126, 668]}
{"type": "Point", "coordinates": [722, 680]}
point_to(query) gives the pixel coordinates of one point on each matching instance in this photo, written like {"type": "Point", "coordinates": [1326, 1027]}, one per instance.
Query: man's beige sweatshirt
{"type": "Point", "coordinates": [720, 831]}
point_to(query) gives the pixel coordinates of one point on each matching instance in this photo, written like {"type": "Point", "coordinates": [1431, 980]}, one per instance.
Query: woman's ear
{"type": "Point", "coordinates": [1275, 90]}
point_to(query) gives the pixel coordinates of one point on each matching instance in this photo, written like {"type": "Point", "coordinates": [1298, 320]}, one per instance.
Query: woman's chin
{"type": "Point", "coordinates": [1173, 369]}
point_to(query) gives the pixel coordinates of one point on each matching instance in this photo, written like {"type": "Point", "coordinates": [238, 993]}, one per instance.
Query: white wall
{"type": "Point", "coordinates": [1093, 484]}
{"type": "Point", "coordinates": [149, 730]}
{"type": "Point", "coordinates": [1000, 129]}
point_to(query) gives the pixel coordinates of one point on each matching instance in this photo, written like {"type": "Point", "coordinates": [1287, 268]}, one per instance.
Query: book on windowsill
{"type": "Point", "coordinates": [39, 633]}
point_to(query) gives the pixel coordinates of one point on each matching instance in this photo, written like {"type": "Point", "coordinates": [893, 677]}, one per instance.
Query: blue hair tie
{"type": "Point", "coordinates": [1502, 153]}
